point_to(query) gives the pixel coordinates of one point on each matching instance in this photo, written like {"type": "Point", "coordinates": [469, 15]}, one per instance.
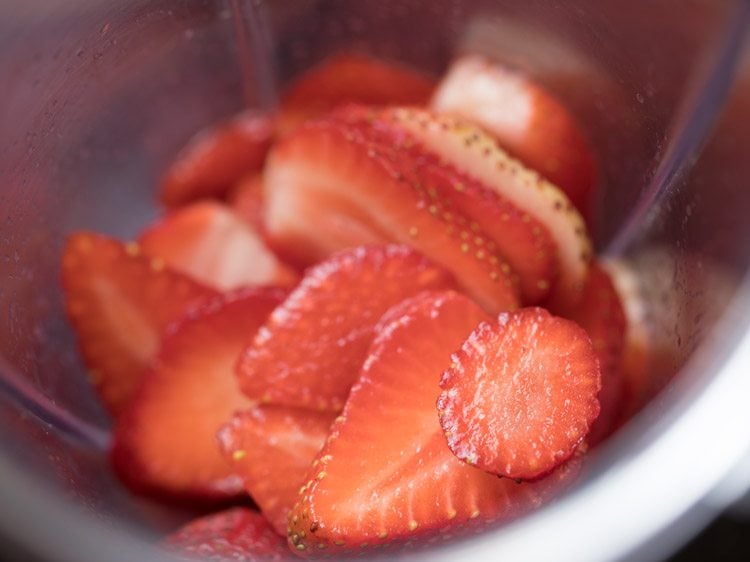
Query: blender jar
{"type": "Point", "coordinates": [98, 95]}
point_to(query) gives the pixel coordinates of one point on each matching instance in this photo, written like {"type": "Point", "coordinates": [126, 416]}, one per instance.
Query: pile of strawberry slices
{"type": "Point", "coordinates": [373, 312]}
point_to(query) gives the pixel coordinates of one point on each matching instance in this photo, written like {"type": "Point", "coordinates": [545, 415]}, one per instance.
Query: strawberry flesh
{"type": "Point", "coordinates": [165, 441]}
{"type": "Point", "coordinates": [601, 314]}
{"type": "Point", "coordinates": [246, 200]}
{"type": "Point", "coordinates": [327, 173]}
{"type": "Point", "coordinates": [641, 354]}
{"type": "Point", "coordinates": [238, 534]}
{"type": "Point", "coordinates": [527, 121]}
{"type": "Point", "coordinates": [309, 352]}
{"type": "Point", "coordinates": [520, 394]}
{"type": "Point", "coordinates": [119, 303]}
{"type": "Point", "coordinates": [516, 235]}
{"type": "Point", "coordinates": [350, 78]}
{"type": "Point", "coordinates": [217, 158]}
{"type": "Point", "coordinates": [386, 474]}
{"type": "Point", "coordinates": [272, 448]}
{"type": "Point", "coordinates": [470, 150]}
{"type": "Point", "coordinates": [210, 243]}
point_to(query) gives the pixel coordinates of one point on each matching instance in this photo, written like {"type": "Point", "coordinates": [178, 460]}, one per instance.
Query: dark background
{"type": "Point", "coordinates": [726, 540]}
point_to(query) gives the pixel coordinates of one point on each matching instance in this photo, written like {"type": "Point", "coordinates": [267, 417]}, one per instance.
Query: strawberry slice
{"type": "Point", "coordinates": [326, 174]}
{"type": "Point", "coordinates": [120, 302]}
{"type": "Point", "coordinates": [309, 352]}
{"type": "Point", "coordinates": [217, 158]}
{"type": "Point", "coordinates": [467, 148]}
{"type": "Point", "coordinates": [246, 200]}
{"type": "Point", "coordinates": [272, 448]}
{"type": "Point", "coordinates": [520, 394]}
{"type": "Point", "coordinates": [386, 474]}
{"type": "Point", "coordinates": [208, 242]}
{"type": "Point", "coordinates": [238, 534]}
{"type": "Point", "coordinates": [519, 237]}
{"type": "Point", "coordinates": [640, 348]}
{"type": "Point", "coordinates": [601, 314]}
{"type": "Point", "coordinates": [347, 78]}
{"type": "Point", "coordinates": [527, 121]}
{"type": "Point", "coordinates": [165, 441]}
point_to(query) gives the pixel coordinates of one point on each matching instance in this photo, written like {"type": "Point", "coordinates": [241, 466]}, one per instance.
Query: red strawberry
{"type": "Point", "coordinates": [217, 158]}
{"type": "Point", "coordinates": [120, 303]}
{"type": "Point", "coordinates": [521, 239]}
{"type": "Point", "coordinates": [238, 534]}
{"type": "Point", "coordinates": [272, 448]}
{"type": "Point", "coordinates": [208, 242]}
{"type": "Point", "coordinates": [309, 352]}
{"type": "Point", "coordinates": [386, 474]}
{"type": "Point", "coordinates": [526, 120]}
{"type": "Point", "coordinates": [326, 186]}
{"type": "Point", "coordinates": [518, 236]}
{"type": "Point", "coordinates": [246, 200]}
{"type": "Point", "coordinates": [464, 146]}
{"type": "Point", "coordinates": [346, 78]}
{"type": "Point", "coordinates": [165, 441]}
{"type": "Point", "coordinates": [601, 314]}
{"type": "Point", "coordinates": [520, 395]}
{"type": "Point", "coordinates": [642, 353]}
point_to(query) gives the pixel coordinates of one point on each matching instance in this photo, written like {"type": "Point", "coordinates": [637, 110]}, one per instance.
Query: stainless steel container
{"type": "Point", "coordinates": [97, 95]}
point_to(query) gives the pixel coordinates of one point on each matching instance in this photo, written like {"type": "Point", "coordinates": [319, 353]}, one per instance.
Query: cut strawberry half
{"type": "Point", "coordinates": [217, 158]}
{"type": "Point", "coordinates": [272, 448]}
{"type": "Point", "coordinates": [309, 352]}
{"type": "Point", "coordinates": [386, 474]}
{"type": "Point", "coordinates": [246, 200]}
{"type": "Point", "coordinates": [351, 78]}
{"type": "Point", "coordinates": [466, 147]}
{"type": "Point", "coordinates": [327, 173]}
{"type": "Point", "coordinates": [520, 394]}
{"type": "Point", "coordinates": [208, 242]}
{"type": "Point", "coordinates": [527, 121]}
{"type": "Point", "coordinates": [120, 302]}
{"type": "Point", "coordinates": [516, 235]}
{"type": "Point", "coordinates": [601, 314]}
{"type": "Point", "coordinates": [238, 534]}
{"type": "Point", "coordinates": [165, 441]}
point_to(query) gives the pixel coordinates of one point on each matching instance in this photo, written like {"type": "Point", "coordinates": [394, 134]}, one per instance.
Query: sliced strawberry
{"type": "Point", "coordinates": [526, 120]}
{"type": "Point", "coordinates": [120, 302]}
{"type": "Point", "coordinates": [165, 441]}
{"type": "Point", "coordinates": [208, 242]}
{"type": "Point", "coordinates": [601, 314]}
{"type": "Point", "coordinates": [520, 394]}
{"type": "Point", "coordinates": [386, 474]}
{"type": "Point", "coordinates": [309, 352]}
{"type": "Point", "coordinates": [323, 225]}
{"type": "Point", "coordinates": [238, 534]}
{"type": "Point", "coordinates": [328, 173]}
{"type": "Point", "coordinates": [272, 448]}
{"type": "Point", "coordinates": [519, 237]}
{"type": "Point", "coordinates": [467, 148]}
{"type": "Point", "coordinates": [640, 355]}
{"type": "Point", "coordinates": [351, 77]}
{"type": "Point", "coordinates": [246, 200]}
{"type": "Point", "coordinates": [217, 158]}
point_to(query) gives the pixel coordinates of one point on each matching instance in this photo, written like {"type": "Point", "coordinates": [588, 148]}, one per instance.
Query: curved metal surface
{"type": "Point", "coordinates": [102, 95]}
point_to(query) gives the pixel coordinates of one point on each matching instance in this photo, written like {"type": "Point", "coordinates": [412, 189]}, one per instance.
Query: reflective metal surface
{"type": "Point", "coordinates": [98, 96]}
